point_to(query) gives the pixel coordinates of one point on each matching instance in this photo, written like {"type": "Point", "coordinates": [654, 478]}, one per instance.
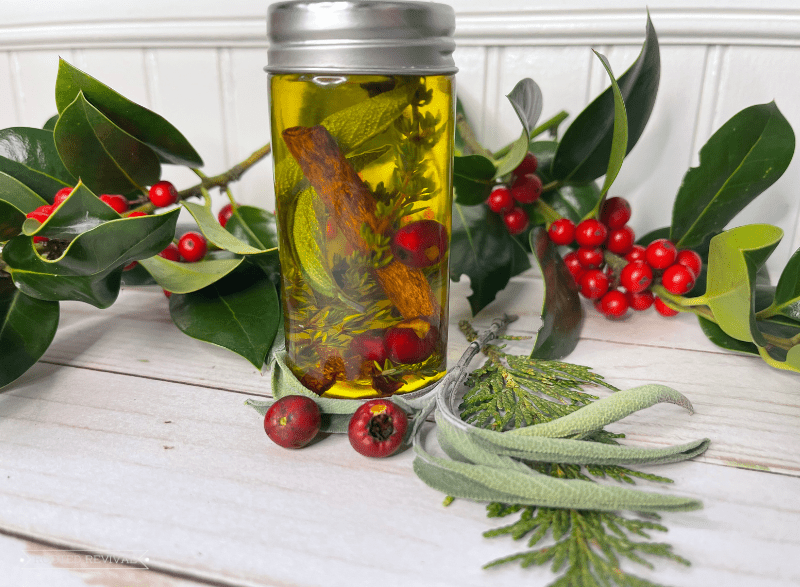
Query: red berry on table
{"type": "Point", "coordinates": [663, 308]}
{"type": "Point", "coordinates": [41, 213]}
{"type": "Point", "coordinates": [590, 258]}
{"type": "Point", "coordinates": [678, 279]}
{"type": "Point", "coordinates": [225, 214]}
{"type": "Point", "coordinates": [594, 284]}
{"type": "Point", "coordinates": [613, 304]}
{"type": "Point", "coordinates": [574, 266]}
{"type": "Point", "coordinates": [640, 300]}
{"type": "Point", "coordinates": [162, 194]}
{"type": "Point", "coordinates": [171, 253]}
{"type": "Point", "coordinates": [61, 195]}
{"type": "Point", "coordinates": [117, 202]}
{"type": "Point", "coordinates": [293, 421]}
{"type": "Point", "coordinates": [411, 341]}
{"type": "Point", "coordinates": [660, 254]}
{"type": "Point", "coordinates": [192, 246]}
{"type": "Point", "coordinates": [377, 428]}
{"type": "Point", "coordinates": [636, 276]}
{"type": "Point", "coordinates": [422, 243]}
{"type": "Point", "coordinates": [562, 231]}
{"type": "Point", "coordinates": [500, 200]}
{"type": "Point", "coordinates": [526, 189]}
{"type": "Point", "coordinates": [690, 260]}
{"type": "Point", "coordinates": [620, 240]}
{"type": "Point", "coordinates": [516, 220]}
{"type": "Point", "coordinates": [591, 233]}
{"type": "Point", "coordinates": [635, 254]}
{"type": "Point", "coordinates": [615, 212]}
{"type": "Point", "coordinates": [529, 164]}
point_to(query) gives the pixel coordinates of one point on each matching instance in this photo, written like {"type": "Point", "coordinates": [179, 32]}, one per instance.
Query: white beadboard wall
{"type": "Point", "coordinates": [199, 64]}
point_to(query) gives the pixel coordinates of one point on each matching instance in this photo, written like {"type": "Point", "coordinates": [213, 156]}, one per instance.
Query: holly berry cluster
{"type": "Point", "coordinates": [618, 274]}
{"type": "Point", "coordinates": [524, 187]}
{"type": "Point", "coordinates": [376, 429]}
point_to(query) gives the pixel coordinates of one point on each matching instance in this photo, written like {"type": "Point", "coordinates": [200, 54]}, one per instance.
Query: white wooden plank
{"type": "Point", "coordinates": [8, 101]}
{"type": "Point", "coordinates": [121, 69]}
{"type": "Point", "coordinates": [35, 80]}
{"type": "Point", "coordinates": [471, 82]}
{"type": "Point", "coordinates": [111, 462]}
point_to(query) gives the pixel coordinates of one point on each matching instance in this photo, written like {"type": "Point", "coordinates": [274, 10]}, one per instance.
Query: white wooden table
{"type": "Point", "coordinates": [131, 439]}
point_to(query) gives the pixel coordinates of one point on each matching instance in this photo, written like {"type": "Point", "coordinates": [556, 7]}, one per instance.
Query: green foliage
{"type": "Point", "coordinates": [30, 156]}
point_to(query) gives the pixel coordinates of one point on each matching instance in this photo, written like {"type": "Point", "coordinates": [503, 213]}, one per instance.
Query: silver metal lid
{"type": "Point", "coordinates": [361, 36]}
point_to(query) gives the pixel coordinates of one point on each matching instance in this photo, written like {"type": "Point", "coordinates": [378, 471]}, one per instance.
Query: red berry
{"type": "Point", "coordinates": [677, 279]}
{"type": "Point", "coordinates": [411, 341]}
{"type": "Point", "coordinates": [660, 254]}
{"type": "Point", "coordinates": [162, 194]}
{"type": "Point", "coordinates": [370, 346]}
{"type": "Point", "coordinates": [377, 428]}
{"type": "Point", "coordinates": [130, 266]}
{"type": "Point", "coordinates": [171, 253]}
{"type": "Point", "coordinates": [137, 214]}
{"type": "Point", "coordinates": [562, 231]}
{"type": "Point", "coordinates": [293, 421]}
{"type": "Point", "coordinates": [640, 300]}
{"type": "Point", "coordinates": [591, 233]}
{"type": "Point", "coordinates": [500, 200]}
{"type": "Point", "coordinates": [526, 189]}
{"type": "Point", "coordinates": [613, 304]}
{"type": "Point", "coordinates": [636, 276]}
{"type": "Point", "coordinates": [167, 294]}
{"type": "Point", "coordinates": [192, 246]}
{"type": "Point", "coordinates": [594, 284]}
{"type": "Point", "coordinates": [224, 214]}
{"type": "Point", "coordinates": [635, 254]}
{"type": "Point", "coordinates": [663, 308]}
{"type": "Point", "coordinates": [574, 266]}
{"type": "Point", "coordinates": [40, 239]}
{"type": "Point", "coordinates": [61, 195]}
{"type": "Point", "coordinates": [620, 240]}
{"type": "Point", "coordinates": [690, 260]}
{"type": "Point", "coordinates": [117, 202]}
{"type": "Point", "coordinates": [528, 165]}
{"type": "Point", "coordinates": [615, 212]}
{"type": "Point", "coordinates": [422, 243]}
{"type": "Point", "coordinates": [41, 213]}
{"type": "Point", "coordinates": [590, 258]}
{"type": "Point", "coordinates": [516, 220]}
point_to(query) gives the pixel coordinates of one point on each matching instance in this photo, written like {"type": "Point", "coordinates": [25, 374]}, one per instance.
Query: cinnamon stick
{"type": "Point", "coordinates": [352, 205]}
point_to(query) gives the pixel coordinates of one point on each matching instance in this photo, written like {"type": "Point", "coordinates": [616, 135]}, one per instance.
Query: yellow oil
{"type": "Point", "coordinates": [332, 300]}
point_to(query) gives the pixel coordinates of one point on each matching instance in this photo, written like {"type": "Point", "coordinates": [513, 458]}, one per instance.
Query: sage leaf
{"type": "Point", "coordinates": [30, 156]}
{"type": "Point", "coordinates": [27, 327]}
{"type": "Point", "coordinates": [147, 126]}
{"type": "Point", "coordinates": [741, 160]}
{"type": "Point", "coordinates": [213, 231]}
{"type": "Point", "coordinates": [106, 158]}
{"type": "Point", "coordinates": [183, 278]}
{"type": "Point", "coordinates": [306, 235]}
{"type": "Point", "coordinates": [240, 312]}
{"type": "Point", "coordinates": [562, 312]}
{"type": "Point", "coordinates": [585, 149]}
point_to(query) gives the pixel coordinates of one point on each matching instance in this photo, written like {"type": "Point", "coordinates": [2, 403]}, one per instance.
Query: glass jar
{"type": "Point", "coordinates": [362, 114]}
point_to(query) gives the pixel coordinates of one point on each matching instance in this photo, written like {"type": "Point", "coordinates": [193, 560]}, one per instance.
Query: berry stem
{"type": "Point", "coordinates": [550, 124]}
{"type": "Point", "coordinates": [547, 212]}
{"type": "Point", "coordinates": [553, 185]}
{"type": "Point", "coordinates": [230, 176]}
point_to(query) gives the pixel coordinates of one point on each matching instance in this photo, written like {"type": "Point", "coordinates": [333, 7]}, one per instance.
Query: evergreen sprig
{"type": "Point", "coordinates": [585, 546]}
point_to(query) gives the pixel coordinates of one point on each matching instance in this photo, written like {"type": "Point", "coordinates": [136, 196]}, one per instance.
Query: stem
{"type": "Point", "coordinates": [223, 179]}
{"type": "Point", "coordinates": [553, 185]}
{"type": "Point", "coordinates": [551, 124]}
{"type": "Point", "coordinates": [469, 137]}
{"type": "Point", "coordinates": [547, 212]}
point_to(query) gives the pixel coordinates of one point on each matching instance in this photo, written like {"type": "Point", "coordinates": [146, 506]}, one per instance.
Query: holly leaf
{"type": "Point", "coordinates": [482, 249]}
{"type": "Point", "coordinates": [585, 149]}
{"type": "Point", "coordinates": [27, 327]}
{"type": "Point", "coordinates": [527, 100]}
{"type": "Point", "coordinates": [240, 312]}
{"type": "Point", "coordinates": [473, 179]}
{"type": "Point", "coordinates": [716, 335]}
{"type": "Point", "coordinates": [787, 292]}
{"type": "Point", "coordinates": [30, 156]}
{"type": "Point", "coordinates": [254, 226]}
{"type": "Point", "coordinates": [141, 123]}
{"type": "Point", "coordinates": [216, 234]}
{"type": "Point", "coordinates": [741, 160]}
{"type": "Point", "coordinates": [562, 313]}
{"type": "Point", "coordinates": [103, 155]}
{"type": "Point", "coordinates": [90, 267]}
{"type": "Point", "coordinates": [81, 211]}
{"type": "Point", "coordinates": [16, 200]}
{"type": "Point", "coordinates": [183, 278]}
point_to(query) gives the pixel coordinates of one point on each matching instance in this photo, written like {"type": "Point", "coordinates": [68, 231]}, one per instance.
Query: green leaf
{"type": "Point", "coordinates": [254, 226]}
{"type": "Point", "coordinates": [50, 123]}
{"type": "Point", "coordinates": [306, 236]}
{"type": "Point", "coordinates": [562, 313]}
{"type": "Point", "coordinates": [741, 160]}
{"type": "Point", "coordinates": [473, 179]}
{"type": "Point", "coordinates": [584, 151]}
{"type": "Point", "coordinates": [716, 335]}
{"type": "Point", "coordinates": [512, 156]}
{"type": "Point", "coordinates": [16, 200]}
{"type": "Point", "coordinates": [27, 327]}
{"type": "Point", "coordinates": [240, 312]}
{"type": "Point", "coordinates": [80, 212]}
{"type": "Point", "coordinates": [787, 292]}
{"type": "Point", "coordinates": [482, 249]}
{"type": "Point", "coordinates": [106, 158]}
{"type": "Point", "coordinates": [90, 268]}
{"type": "Point", "coordinates": [527, 101]}
{"type": "Point", "coordinates": [147, 126]}
{"type": "Point", "coordinates": [213, 231]}
{"type": "Point", "coordinates": [188, 277]}
{"type": "Point", "coordinates": [619, 138]}
{"type": "Point", "coordinates": [30, 156]}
